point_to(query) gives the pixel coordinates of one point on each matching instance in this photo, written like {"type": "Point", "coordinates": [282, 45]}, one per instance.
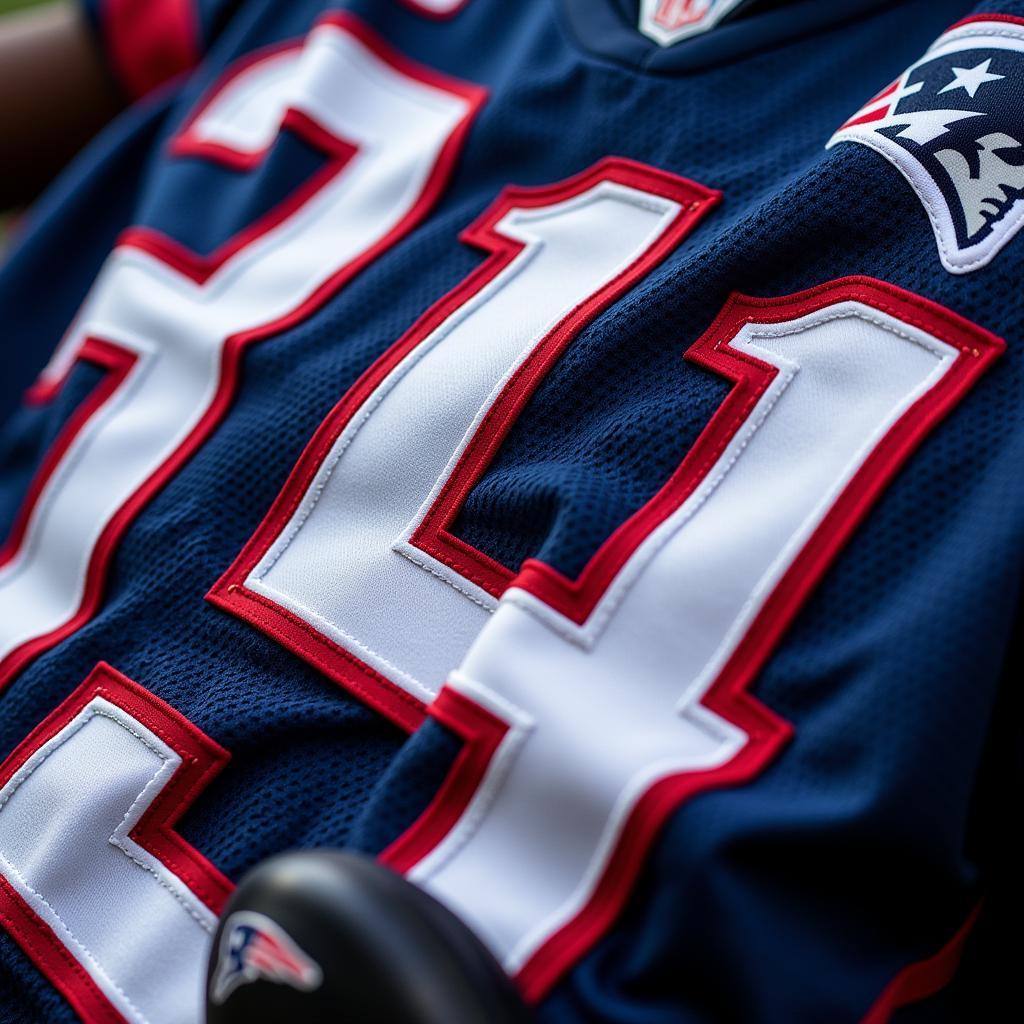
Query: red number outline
{"type": "Point", "coordinates": [152, 42]}
{"type": "Point", "coordinates": [293, 632]}
{"type": "Point", "coordinates": [118, 363]}
{"type": "Point", "coordinates": [187, 143]}
{"type": "Point", "coordinates": [434, 15]}
{"type": "Point", "coordinates": [201, 761]}
{"type": "Point", "coordinates": [729, 695]}
{"type": "Point", "coordinates": [234, 346]}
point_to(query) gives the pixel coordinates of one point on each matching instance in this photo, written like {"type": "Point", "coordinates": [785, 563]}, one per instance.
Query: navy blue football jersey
{"type": "Point", "coordinates": [568, 449]}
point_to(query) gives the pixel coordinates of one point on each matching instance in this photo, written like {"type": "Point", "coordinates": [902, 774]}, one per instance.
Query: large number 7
{"type": "Point", "coordinates": [170, 326]}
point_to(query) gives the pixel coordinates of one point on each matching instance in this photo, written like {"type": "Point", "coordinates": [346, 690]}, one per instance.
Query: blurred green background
{"type": "Point", "coordinates": [13, 5]}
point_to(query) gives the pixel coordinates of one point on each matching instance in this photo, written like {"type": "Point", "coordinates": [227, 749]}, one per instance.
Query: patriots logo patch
{"type": "Point", "coordinates": [953, 124]}
{"type": "Point", "coordinates": [254, 948]}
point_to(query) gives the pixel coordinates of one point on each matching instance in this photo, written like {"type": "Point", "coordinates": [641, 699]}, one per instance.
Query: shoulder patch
{"type": "Point", "coordinates": [953, 125]}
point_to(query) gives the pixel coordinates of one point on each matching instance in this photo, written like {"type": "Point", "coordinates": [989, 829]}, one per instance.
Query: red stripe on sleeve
{"type": "Point", "coordinates": [925, 978]}
{"type": "Point", "coordinates": [150, 41]}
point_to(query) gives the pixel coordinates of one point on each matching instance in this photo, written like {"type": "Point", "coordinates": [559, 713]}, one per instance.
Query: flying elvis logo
{"type": "Point", "coordinates": [953, 125]}
{"type": "Point", "coordinates": [253, 947]}
{"type": "Point", "coordinates": [670, 21]}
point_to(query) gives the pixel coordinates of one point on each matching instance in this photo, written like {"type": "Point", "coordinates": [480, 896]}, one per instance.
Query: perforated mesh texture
{"type": "Point", "coordinates": [27, 434]}
{"type": "Point", "coordinates": [805, 890]}
{"type": "Point", "coordinates": [228, 198]}
{"type": "Point", "coordinates": [411, 782]}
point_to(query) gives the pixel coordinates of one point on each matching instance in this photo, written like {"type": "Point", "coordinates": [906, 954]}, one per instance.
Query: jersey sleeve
{"type": "Point", "coordinates": [148, 42]}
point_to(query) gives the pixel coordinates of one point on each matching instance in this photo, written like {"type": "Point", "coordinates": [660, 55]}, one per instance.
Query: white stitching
{"type": "Point", "coordinates": [11, 871]}
{"type": "Point", "coordinates": [25, 773]}
{"type": "Point", "coordinates": [952, 259]}
{"type": "Point", "coordinates": [623, 583]}
{"type": "Point", "coordinates": [287, 537]}
{"type": "Point", "coordinates": [406, 552]}
{"type": "Point", "coordinates": [83, 719]}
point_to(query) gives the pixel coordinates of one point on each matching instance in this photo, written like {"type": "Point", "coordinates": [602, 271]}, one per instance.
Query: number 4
{"type": "Point", "coordinates": [99, 890]}
{"type": "Point", "coordinates": [640, 666]}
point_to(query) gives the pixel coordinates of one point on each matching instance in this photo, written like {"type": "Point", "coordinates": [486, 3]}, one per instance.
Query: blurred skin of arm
{"type": "Point", "coordinates": [55, 93]}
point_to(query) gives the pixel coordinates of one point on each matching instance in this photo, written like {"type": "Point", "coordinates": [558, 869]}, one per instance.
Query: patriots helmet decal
{"type": "Point", "coordinates": [254, 948]}
{"type": "Point", "coordinates": [953, 124]}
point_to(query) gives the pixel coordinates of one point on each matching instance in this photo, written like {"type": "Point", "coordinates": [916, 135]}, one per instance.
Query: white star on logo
{"type": "Point", "coordinates": [971, 79]}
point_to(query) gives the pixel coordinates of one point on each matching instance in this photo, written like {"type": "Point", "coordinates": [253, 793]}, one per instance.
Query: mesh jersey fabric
{"type": "Point", "coordinates": [864, 846]}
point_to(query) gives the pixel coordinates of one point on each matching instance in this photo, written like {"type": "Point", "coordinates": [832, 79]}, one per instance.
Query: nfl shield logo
{"type": "Point", "coordinates": [953, 125]}
{"type": "Point", "coordinates": [669, 21]}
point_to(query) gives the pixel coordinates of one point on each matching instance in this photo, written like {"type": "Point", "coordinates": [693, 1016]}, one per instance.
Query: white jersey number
{"type": "Point", "coordinates": [104, 897]}
{"type": "Point", "coordinates": [663, 631]}
{"type": "Point", "coordinates": [657, 639]}
{"type": "Point", "coordinates": [171, 326]}
{"type": "Point", "coordinates": [352, 519]}
{"type": "Point", "coordinates": [118, 913]}
{"type": "Point", "coordinates": [592, 707]}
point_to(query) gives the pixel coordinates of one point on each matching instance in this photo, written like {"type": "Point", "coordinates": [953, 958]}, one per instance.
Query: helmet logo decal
{"type": "Point", "coordinates": [255, 948]}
